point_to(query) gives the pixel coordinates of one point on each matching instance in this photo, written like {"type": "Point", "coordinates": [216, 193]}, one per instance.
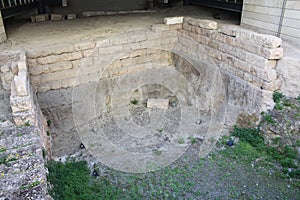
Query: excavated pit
{"type": "Point", "coordinates": [110, 116]}
{"type": "Point", "coordinates": [95, 93]}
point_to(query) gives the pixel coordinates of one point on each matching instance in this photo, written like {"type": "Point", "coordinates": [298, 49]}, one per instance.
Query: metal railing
{"type": "Point", "coordinates": [5, 4]}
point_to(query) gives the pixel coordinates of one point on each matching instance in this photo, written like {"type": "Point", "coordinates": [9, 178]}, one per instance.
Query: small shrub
{"type": "Point", "coordinates": [277, 96]}
{"type": "Point", "coordinates": [27, 123]}
{"type": "Point", "coordinates": [192, 140]}
{"type": "Point", "coordinates": [289, 152]}
{"type": "Point", "coordinates": [278, 106]}
{"type": "Point", "coordinates": [295, 174]}
{"type": "Point", "coordinates": [288, 162]}
{"type": "Point", "coordinates": [49, 122]}
{"type": "Point", "coordinates": [287, 103]}
{"type": "Point", "coordinates": [268, 119]}
{"type": "Point", "coordinates": [160, 130]}
{"type": "Point", "coordinates": [250, 135]}
{"type": "Point", "coordinates": [134, 101]}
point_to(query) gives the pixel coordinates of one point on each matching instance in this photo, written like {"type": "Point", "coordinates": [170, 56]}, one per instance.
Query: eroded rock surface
{"type": "Point", "coordinates": [22, 167]}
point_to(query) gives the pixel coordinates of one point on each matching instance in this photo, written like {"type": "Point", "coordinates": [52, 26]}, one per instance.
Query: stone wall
{"type": "Point", "coordinates": [243, 53]}
{"type": "Point", "coordinates": [22, 168]}
{"type": "Point", "coordinates": [58, 66]}
{"type": "Point", "coordinates": [247, 60]}
{"type": "Point", "coordinates": [264, 16]}
{"type": "Point", "coordinates": [2, 30]}
{"type": "Point", "coordinates": [24, 106]}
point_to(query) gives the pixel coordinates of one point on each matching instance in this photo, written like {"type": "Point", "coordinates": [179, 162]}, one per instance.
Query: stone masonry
{"type": "Point", "coordinates": [2, 30]}
{"type": "Point", "coordinates": [24, 106]}
{"type": "Point", "coordinates": [245, 54]}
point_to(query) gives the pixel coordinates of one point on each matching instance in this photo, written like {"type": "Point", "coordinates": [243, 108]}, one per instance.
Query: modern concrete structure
{"type": "Point", "coordinates": [276, 17]}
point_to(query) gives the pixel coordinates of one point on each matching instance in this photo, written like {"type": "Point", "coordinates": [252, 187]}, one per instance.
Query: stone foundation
{"type": "Point", "coordinates": [25, 109]}
{"type": "Point", "coordinates": [247, 57]}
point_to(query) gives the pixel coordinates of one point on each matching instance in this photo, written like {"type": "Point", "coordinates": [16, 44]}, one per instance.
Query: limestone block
{"type": "Point", "coordinates": [39, 70]}
{"type": "Point", "coordinates": [22, 66]}
{"type": "Point", "coordinates": [229, 30]}
{"type": "Point", "coordinates": [20, 104]}
{"type": "Point", "coordinates": [71, 16]}
{"type": "Point", "coordinates": [56, 17]}
{"type": "Point", "coordinates": [261, 62]}
{"type": "Point", "coordinates": [274, 54]}
{"type": "Point", "coordinates": [176, 27]}
{"type": "Point", "coordinates": [208, 24]}
{"type": "Point", "coordinates": [159, 27]}
{"type": "Point", "coordinates": [87, 14]}
{"type": "Point", "coordinates": [173, 20]}
{"type": "Point", "coordinates": [158, 103]}
{"type": "Point", "coordinates": [267, 41]}
{"type": "Point", "coordinates": [59, 66]}
{"type": "Point", "coordinates": [57, 58]}
{"type": "Point", "coordinates": [41, 17]}
{"type": "Point", "coordinates": [50, 50]}
{"type": "Point", "coordinates": [21, 84]}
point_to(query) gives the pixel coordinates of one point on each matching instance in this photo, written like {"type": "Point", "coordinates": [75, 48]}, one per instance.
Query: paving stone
{"type": "Point", "coordinates": [173, 20]}
{"type": "Point", "coordinates": [158, 103]}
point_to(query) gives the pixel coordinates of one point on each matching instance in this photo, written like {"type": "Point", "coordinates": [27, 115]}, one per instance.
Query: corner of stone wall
{"type": "Point", "coordinates": [23, 102]}
{"type": "Point", "coordinates": [248, 58]}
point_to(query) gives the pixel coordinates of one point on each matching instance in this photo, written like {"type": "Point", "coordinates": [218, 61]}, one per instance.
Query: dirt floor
{"type": "Point", "coordinates": [24, 34]}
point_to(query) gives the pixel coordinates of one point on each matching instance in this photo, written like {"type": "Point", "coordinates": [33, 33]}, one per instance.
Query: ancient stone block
{"type": "Point", "coordinates": [87, 14]}
{"type": "Point", "coordinates": [158, 103]}
{"type": "Point", "coordinates": [274, 54]}
{"type": "Point", "coordinates": [59, 66]}
{"type": "Point", "coordinates": [56, 17]}
{"type": "Point", "coordinates": [50, 50]}
{"type": "Point", "coordinates": [20, 84]}
{"type": "Point", "coordinates": [39, 70]}
{"type": "Point", "coordinates": [57, 58]}
{"type": "Point", "coordinates": [20, 104]}
{"type": "Point", "coordinates": [41, 17]}
{"type": "Point", "coordinates": [208, 24]}
{"type": "Point", "coordinates": [173, 20]}
{"type": "Point", "coordinates": [267, 41]}
{"type": "Point", "coordinates": [71, 16]}
{"type": "Point", "coordinates": [229, 30]}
